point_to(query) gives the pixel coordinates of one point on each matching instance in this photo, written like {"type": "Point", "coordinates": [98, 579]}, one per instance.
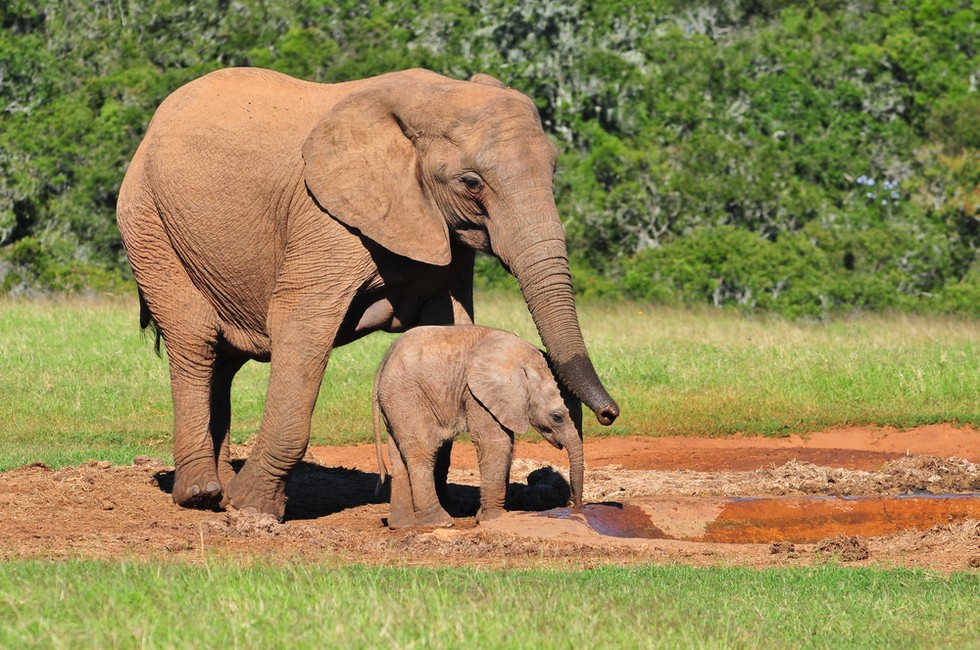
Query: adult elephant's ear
{"type": "Point", "coordinates": [362, 168]}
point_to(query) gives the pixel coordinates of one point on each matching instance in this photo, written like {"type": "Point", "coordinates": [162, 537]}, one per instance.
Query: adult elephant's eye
{"type": "Point", "coordinates": [473, 183]}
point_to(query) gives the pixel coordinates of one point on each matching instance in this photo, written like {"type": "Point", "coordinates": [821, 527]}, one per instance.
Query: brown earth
{"type": "Point", "coordinates": [104, 511]}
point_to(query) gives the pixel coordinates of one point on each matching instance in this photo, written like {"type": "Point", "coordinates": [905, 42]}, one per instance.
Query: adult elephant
{"type": "Point", "coordinates": [273, 219]}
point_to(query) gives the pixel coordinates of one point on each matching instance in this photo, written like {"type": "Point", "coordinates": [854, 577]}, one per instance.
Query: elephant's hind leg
{"type": "Point", "coordinates": [299, 357]}
{"type": "Point", "coordinates": [225, 368]}
{"type": "Point", "coordinates": [421, 475]}
{"type": "Point", "coordinates": [190, 332]}
{"type": "Point", "coordinates": [402, 513]}
{"type": "Point", "coordinates": [197, 483]}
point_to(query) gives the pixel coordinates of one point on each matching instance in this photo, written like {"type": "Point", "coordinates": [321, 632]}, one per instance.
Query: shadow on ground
{"type": "Point", "coordinates": [315, 491]}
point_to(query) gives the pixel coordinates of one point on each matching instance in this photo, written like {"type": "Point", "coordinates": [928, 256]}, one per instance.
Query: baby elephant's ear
{"type": "Point", "coordinates": [495, 376]}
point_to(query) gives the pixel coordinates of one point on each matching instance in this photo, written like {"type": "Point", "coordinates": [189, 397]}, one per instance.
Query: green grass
{"type": "Point", "coordinates": [706, 372]}
{"type": "Point", "coordinates": [83, 604]}
{"type": "Point", "coordinates": [79, 381]}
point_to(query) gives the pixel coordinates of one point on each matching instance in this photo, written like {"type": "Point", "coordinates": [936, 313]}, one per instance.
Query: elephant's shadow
{"type": "Point", "coordinates": [315, 491]}
{"type": "Point", "coordinates": [545, 489]}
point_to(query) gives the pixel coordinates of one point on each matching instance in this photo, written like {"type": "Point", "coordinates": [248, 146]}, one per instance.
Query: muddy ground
{"type": "Point", "coordinates": [98, 510]}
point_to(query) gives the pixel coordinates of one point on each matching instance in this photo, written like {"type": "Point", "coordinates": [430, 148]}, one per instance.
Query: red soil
{"type": "Point", "coordinates": [97, 510]}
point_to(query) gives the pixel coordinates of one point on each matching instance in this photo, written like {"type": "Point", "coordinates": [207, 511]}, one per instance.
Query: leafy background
{"type": "Point", "coordinates": [804, 158]}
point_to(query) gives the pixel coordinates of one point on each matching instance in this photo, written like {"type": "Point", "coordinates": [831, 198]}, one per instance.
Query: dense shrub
{"type": "Point", "coordinates": [804, 157]}
{"type": "Point", "coordinates": [813, 273]}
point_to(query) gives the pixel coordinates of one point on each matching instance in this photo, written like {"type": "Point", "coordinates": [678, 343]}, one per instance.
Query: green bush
{"type": "Point", "coordinates": [828, 147]}
{"type": "Point", "coordinates": [30, 265]}
{"type": "Point", "coordinates": [812, 273]}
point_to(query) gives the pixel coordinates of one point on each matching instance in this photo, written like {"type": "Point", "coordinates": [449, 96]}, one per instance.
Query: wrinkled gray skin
{"type": "Point", "coordinates": [437, 382]}
{"type": "Point", "coordinates": [272, 219]}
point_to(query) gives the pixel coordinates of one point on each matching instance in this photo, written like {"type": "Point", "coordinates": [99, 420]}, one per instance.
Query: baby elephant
{"type": "Point", "coordinates": [435, 383]}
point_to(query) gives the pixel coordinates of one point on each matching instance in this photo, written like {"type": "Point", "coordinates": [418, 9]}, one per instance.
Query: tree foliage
{"type": "Point", "coordinates": [802, 157]}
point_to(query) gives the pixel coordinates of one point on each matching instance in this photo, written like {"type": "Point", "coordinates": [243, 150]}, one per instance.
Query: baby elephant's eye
{"type": "Point", "coordinates": [558, 417]}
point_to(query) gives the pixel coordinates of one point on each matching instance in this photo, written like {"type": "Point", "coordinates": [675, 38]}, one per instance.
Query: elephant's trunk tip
{"type": "Point", "coordinates": [607, 415]}
{"type": "Point", "coordinates": [578, 376]}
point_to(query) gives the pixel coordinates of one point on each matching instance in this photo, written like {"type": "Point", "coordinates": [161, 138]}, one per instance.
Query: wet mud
{"type": "Point", "coordinates": [760, 520]}
{"type": "Point", "coordinates": [908, 499]}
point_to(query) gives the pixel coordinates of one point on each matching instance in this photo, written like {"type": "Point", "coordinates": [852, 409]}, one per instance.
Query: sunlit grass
{"type": "Point", "coordinates": [710, 372]}
{"type": "Point", "coordinates": [78, 379]}
{"type": "Point", "coordinates": [85, 604]}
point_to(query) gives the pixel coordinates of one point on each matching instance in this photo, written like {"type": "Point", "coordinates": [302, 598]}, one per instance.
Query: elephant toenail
{"type": "Point", "coordinates": [195, 490]}
{"type": "Point", "coordinates": [213, 487]}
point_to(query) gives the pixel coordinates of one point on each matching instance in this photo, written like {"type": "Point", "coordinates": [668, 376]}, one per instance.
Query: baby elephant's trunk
{"type": "Point", "coordinates": [570, 436]}
{"type": "Point", "coordinates": [576, 469]}
{"type": "Point", "coordinates": [571, 439]}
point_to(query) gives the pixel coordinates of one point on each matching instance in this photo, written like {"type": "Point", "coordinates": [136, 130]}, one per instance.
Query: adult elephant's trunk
{"type": "Point", "coordinates": [535, 253]}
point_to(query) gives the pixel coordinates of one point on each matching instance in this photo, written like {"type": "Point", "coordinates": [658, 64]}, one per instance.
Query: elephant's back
{"type": "Point", "coordinates": [242, 94]}
{"type": "Point", "coordinates": [433, 340]}
{"type": "Point", "coordinates": [431, 353]}
{"type": "Point", "coordinates": [424, 370]}
{"type": "Point", "coordinates": [239, 115]}
{"type": "Point", "coordinates": [221, 165]}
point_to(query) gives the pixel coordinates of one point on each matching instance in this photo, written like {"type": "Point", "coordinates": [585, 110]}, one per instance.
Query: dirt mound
{"type": "Point", "coordinates": [843, 547]}
{"type": "Point", "coordinates": [99, 510]}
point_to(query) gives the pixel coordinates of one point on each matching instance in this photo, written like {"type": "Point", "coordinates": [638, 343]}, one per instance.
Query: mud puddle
{"type": "Point", "coordinates": [754, 520]}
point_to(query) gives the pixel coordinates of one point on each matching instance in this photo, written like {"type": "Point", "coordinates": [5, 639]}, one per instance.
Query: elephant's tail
{"type": "Point", "coordinates": [147, 321]}
{"type": "Point", "coordinates": [376, 413]}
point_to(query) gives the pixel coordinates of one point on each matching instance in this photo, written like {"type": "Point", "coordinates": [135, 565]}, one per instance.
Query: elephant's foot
{"type": "Point", "coordinates": [265, 497]}
{"type": "Point", "coordinates": [397, 520]}
{"type": "Point", "coordinates": [226, 473]}
{"type": "Point", "coordinates": [488, 513]}
{"type": "Point", "coordinates": [197, 486]}
{"type": "Point", "coordinates": [434, 516]}
{"type": "Point", "coordinates": [402, 513]}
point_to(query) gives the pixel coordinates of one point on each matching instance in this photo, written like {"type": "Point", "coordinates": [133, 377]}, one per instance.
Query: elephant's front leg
{"type": "Point", "coordinates": [494, 447]}
{"type": "Point", "coordinates": [299, 358]}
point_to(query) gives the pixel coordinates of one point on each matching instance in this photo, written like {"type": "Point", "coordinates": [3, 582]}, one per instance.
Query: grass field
{"type": "Point", "coordinates": [133, 605]}
{"type": "Point", "coordinates": [79, 380]}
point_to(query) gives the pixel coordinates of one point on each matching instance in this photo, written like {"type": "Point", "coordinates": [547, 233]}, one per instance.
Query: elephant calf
{"type": "Point", "coordinates": [435, 383]}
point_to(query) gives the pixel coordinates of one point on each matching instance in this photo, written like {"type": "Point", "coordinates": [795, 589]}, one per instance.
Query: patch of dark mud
{"type": "Point", "coordinates": [784, 549]}
{"type": "Point", "coordinates": [906, 475]}
{"type": "Point", "coordinates": [845, 548]}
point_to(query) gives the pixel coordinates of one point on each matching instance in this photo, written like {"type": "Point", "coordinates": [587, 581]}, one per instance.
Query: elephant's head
{"type": "Point", "coordinates": [513, 381]}
{"type": "Point", "coordinates": [411, 159]}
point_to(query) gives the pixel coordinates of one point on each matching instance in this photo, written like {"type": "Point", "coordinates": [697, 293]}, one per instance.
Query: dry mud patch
{"type": "Point", "coordinates": [97, 510]}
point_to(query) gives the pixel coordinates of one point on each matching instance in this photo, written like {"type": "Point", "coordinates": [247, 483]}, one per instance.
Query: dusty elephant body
{"type": "Point", "coordinates": [438, 382]}
{"type": "Point", "coordinates": [272, 219]}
